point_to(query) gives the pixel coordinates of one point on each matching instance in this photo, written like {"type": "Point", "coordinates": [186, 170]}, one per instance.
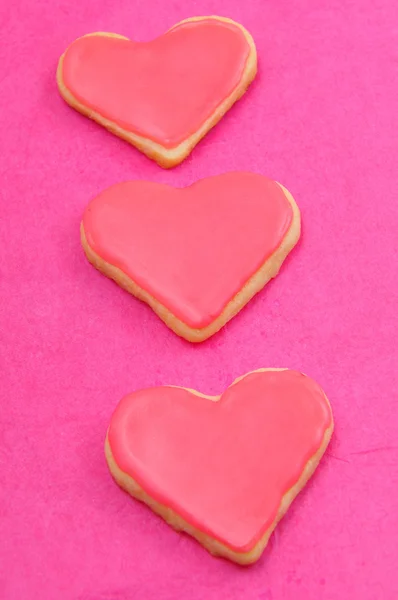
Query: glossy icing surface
{"type": "Point", "coordinates": [193, 248]}
{"type": "Point", "coordinates": [165, 89]}
{"type": "Point", "coordinates": [223, 466]}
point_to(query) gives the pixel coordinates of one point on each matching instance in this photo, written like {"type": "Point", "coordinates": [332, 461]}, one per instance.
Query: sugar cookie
{"type": "Point", "coordinates": [196, 255]}
{"type": "Point", "coordinates": [162, 96]}
{"type": "Point", "coordinates": [223, 469]}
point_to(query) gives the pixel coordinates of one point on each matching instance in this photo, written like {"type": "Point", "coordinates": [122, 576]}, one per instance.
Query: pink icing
{"type": "Point", "coordinates": [192, 249]}
{"type": "Point", "coordinates": [165, 89]}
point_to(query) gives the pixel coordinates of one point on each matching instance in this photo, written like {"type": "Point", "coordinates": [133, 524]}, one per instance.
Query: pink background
{"type": "Point", "coordinates": [322, 119]}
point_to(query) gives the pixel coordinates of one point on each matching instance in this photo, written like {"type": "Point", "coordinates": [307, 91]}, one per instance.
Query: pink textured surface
{"type": "Point", "coordinates": [322, 119]}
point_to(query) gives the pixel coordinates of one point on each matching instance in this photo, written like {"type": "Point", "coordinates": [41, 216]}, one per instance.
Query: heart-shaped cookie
{"type": "Point", "coordinates": [224, 471]}
{"type": "Point", "coordinates": [161, 96]}
{"type": "Point", "coordinates": [196, 255]}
